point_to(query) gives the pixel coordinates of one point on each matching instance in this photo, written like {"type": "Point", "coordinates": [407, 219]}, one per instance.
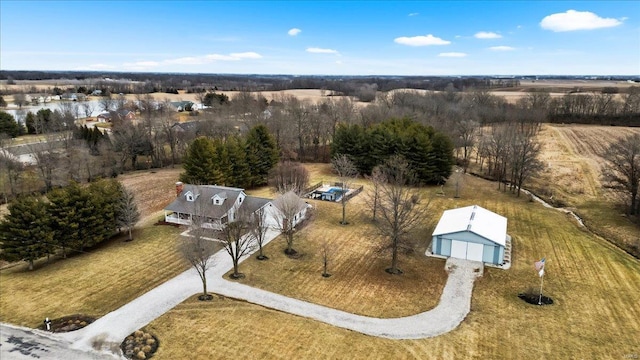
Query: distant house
{"type": "Point", "coordinates": [120, 114]}
{"type": "Point", "coordinates": [472, 233]}
{"type": "Point", "coordinates": [215, 206]}
{"type": "Point", "coordinates": [180, 106]}
{"type": "Point", "coordinates": [73, 97]}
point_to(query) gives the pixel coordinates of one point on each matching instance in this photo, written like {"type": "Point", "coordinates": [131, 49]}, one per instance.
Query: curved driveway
{"type": "Point", "coordinates": [453, 307]}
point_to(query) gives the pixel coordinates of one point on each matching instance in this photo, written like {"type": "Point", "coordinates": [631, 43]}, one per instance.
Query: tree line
{"type": "Point", "coordinates": [72, 218]}
{"type": "Point", "coordinates": [235, 161]}
{"type": "Point", "coordinates": [428, 152]}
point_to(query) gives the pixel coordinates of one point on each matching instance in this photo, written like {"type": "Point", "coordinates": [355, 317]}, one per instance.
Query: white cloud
{"type": "Point", "coordinates": [421, 40]}
{"type": "Point", "coordinates": [189, 60]}
{"type": "Point", "coordinates": [246, 55]}
{"type": "Point", "coordinates": [414, 14]}
{"type": "Point", "coordinates": [99, 67]}
{"type": "Point", "coordinates": [316, 50]}
{"type": "Point", "coordinates": [140, 65]}
{"type": "Point", "coordinates": [452, 54]}
{"type": "Point", "coordinates": [209, 58]}
{"type": "Point", "coordinates": [572, 20]}
{"type": "Point", "coordinates": [294, 31]}
{"type": "Point", "coordinates": [502, 48]}
{"type": "Point", "coordinates": [487, 35]}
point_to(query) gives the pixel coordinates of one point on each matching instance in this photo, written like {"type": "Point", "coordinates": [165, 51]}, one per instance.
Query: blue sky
{"type": "Point", "coordinates": [334, 38]}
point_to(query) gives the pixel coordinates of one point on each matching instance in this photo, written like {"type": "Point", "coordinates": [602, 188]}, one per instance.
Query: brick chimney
{"type": "Point", "coordinates": [179, 187]}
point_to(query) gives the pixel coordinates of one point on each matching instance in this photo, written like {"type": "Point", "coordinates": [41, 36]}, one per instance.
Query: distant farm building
{"type": "Point", "coordinates": [472, 233]}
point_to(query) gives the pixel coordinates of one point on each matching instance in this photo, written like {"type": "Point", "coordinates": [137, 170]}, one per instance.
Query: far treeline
{"type": "Point", "coordinates": [499, 136]}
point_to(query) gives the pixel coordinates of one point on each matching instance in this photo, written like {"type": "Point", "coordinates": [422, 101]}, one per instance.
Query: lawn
{"type": "Point", "coordinates": [93, 283]}
{"type": "Point", "coordinates": [596, 288]}
{"type": "Point", "coordinates": [105, 278]}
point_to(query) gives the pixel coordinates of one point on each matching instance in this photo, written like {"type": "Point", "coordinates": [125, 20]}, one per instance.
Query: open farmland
{"type": "Point", "coordinates": [594, 285]}
{"type": "Point", "coordinates": [573, 177]}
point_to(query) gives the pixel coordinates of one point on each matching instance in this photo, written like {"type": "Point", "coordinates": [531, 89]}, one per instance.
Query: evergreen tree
{"type": "Point", "coordinates": [240, 172]}
{"type": "Point", "coordinates": [25, 233]}
{"type": "Point", "coordinates": [200, 163]}
{"type": "Point", "coordinates": [429, 153]}
{"type": "Point", "coordinates": [223, 163]}
{"type": "Point", "coordinates": [9, 125]}
{"type": "Point", "coordinates": [72, 216]}
{"type": "Point", "coordinates": [30, 122]}
{"type": "Point", "coordinates": [262, 154]}
{"type": "Point", "coordinates": [105, 198]}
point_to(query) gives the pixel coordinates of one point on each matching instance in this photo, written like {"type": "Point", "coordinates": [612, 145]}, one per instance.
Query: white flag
{"type": "Point", "coordinates": [541, 272]}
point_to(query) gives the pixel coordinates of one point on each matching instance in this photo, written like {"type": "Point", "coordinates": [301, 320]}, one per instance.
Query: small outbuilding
{"type": "Point", "coordinates": [472, 233]}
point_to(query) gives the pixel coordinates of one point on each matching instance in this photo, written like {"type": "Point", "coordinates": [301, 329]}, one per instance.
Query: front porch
{"type": "Point", "coordinates": [187, 219]}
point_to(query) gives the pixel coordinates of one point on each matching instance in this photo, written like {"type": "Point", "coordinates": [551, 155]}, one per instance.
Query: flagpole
{"type": "Point", "coordinates": [541, 281]}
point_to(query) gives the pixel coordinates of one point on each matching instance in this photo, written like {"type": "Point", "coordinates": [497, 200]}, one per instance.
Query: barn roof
{"type": "Point", "coordinates": [475, 219]}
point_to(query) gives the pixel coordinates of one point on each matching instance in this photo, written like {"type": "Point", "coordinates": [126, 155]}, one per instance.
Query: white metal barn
{"type": "Point", "coordinates": [471, 233]}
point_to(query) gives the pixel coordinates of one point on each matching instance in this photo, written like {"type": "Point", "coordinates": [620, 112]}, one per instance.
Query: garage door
{"type": "Point", "coordinates": [474, 251]}
{"type": "Point", "coordinates": [466, 250]}
{"type": "Point", "coordinates": [459, 249]}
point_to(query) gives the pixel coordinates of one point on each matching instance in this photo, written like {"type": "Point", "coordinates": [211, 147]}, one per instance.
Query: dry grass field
{"type": "Point", "coordinates": [573, 176]}
{"type": "Point", "coordinates": [596, 288]}
{"type": "Point", "coordinates": [358, 279]}
{"type": "Point", "coordinates": [92, 283]}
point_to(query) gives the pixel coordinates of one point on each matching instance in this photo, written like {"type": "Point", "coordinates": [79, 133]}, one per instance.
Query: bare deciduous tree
{"type": "Point", "coordinates": [289, 176]}
{"type": "Point", "coordinates": [346, 170]}
{"type": "Point", "coordinates": [128, 211]}
{"type": "Point", "coordinates": [236, 239]}
{"type": "Point", "coordinates": [398, 206]}
{"type": "Point", "coordinates": [288, 207]}
{"type": "Point", "coordinates": [326, 255]}
{"type": "Point", "coordinates": [198, 250]}
{"type": "Point", "coordinates": [107, 103]}
{"type": "Point", "coordinates": [20, 99]}
{"type": "Point", "coordinates": [258, 228]}
{"type": "Point", "coordinates": [622, 170]}
{"type": "Point", "coordinates": [376, 178]}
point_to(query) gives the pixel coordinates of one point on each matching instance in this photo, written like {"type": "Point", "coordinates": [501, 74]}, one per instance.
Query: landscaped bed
{"type": "Point", "coordinates": [68, 323]}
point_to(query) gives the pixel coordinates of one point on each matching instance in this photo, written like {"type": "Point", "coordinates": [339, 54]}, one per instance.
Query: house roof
{"type": "Point", "coordinates": [475, 219]}
{"type": "Point", "coordinates": [253, 203]}
{"type": "Point", "coordinates": [203, 204]}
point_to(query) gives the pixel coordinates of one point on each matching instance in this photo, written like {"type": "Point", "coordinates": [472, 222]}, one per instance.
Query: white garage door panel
{"type": "Point", "coordinates": [474, 251]}
{"type": "Point", "coordinates": [458, 249]}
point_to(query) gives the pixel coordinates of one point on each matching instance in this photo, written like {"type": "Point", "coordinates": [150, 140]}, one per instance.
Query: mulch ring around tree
{"type": "Point", "coordinates": [535, 299]}
{"type": "Point", "coordinates": [139, 345]}
{"type": "Point", "coordinates": [68, 323]}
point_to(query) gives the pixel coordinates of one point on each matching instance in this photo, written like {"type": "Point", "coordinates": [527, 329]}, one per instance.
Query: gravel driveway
{"type": "Point", "coordinates": [453, 307]}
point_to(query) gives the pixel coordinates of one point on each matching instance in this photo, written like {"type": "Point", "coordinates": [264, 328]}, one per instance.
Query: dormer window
{"type": "Point", "coordinates": [218, 199]}
{"type": "Point", "coordinates": [189, 196]}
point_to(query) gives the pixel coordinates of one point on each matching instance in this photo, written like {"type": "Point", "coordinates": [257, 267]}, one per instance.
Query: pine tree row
{"type": "Point", "coordinates": [429, 152]}
{"type": "Point", "coordinates": [236, 161]}
{"type": "Point", "coordinates": [68, 219]}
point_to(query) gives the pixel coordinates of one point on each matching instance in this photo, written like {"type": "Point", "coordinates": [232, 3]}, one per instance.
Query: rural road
{"type": "Point", "coordinates": [18, 343]}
